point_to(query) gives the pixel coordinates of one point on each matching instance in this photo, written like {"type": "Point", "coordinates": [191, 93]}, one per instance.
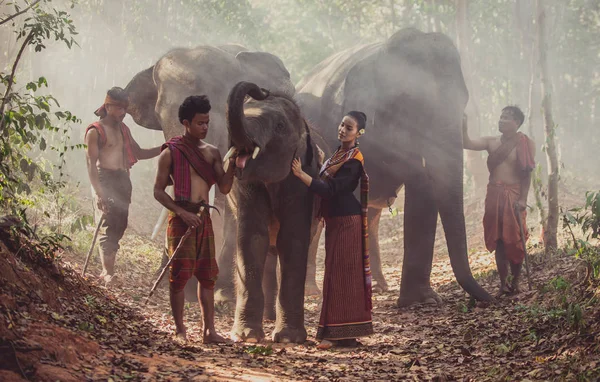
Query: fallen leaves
{"type": "Point", "coordinates": [529, 334]}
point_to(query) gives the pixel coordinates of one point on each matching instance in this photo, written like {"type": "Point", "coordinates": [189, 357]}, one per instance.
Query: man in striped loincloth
{"type": "Point", "coordinates": [194, 167]}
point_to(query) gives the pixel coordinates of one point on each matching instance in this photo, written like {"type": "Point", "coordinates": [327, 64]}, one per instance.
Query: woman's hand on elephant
{"type": "Point", "coordinates": [297, 167]}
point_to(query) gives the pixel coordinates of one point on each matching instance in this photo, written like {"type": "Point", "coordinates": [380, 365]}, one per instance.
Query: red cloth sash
{"type": "Point", "coordinates": [524, 158]}
{"type": "Point", "coordinates": [129, 158]}
{"type": "Point", "coordinates": [185, 154]}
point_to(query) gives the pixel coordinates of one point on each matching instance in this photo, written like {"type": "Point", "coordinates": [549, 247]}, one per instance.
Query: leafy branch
{"type": "Point", "coordinates": [19, 12]}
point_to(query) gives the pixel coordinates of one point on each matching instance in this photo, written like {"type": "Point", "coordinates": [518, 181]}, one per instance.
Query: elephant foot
{"type": "Point", "coordinates": [425, 296]}
{"type": "Point", "coordinates": [223, 296]}
{"type": "Point", "coordinates": [311, 289]}
{"type": "Point", "coordinates": [241, 333]}
{"type": "Point", "coordinates": [380, 285]}
{"type": "Point", "coordinates": [290, 335]}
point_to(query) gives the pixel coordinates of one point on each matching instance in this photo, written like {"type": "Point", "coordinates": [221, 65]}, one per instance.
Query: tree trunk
{"type": "Point", "coordinates": [474, 161]}
{"type": "Point", "coordinates": [524, 18]}
{"type": "Point", "coordinates": [550, 240]}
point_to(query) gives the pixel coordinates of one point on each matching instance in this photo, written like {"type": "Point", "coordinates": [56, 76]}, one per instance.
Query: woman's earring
{"type": "Point", "coordinates": [361, 131]}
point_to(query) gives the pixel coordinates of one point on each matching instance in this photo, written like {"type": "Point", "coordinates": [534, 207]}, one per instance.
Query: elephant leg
{"type": "Point", "coordinates": [269, 284]}
{"type": "Point", "coordinates": [310, 285]}
{"type": "Point", "coordinates": [293, 241]}
{"type": "Point", "coordinates": [224, 287]}
{"type": "Point", "coordinates": [252, 248]}
{"type": "Point", "coordinates": [420, 219]}
{"type": "Point", "coordinates": [379, 283]}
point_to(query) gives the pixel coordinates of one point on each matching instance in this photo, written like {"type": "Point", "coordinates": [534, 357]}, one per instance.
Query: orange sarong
{"type": "Point", "coordinates": [500, 220]}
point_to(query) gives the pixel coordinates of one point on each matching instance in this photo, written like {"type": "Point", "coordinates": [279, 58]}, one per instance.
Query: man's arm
{"type": "Point", "coordinates": [92, 152]}
{"type": "Point", "coordinates": [160, 184]}
{"type": "Point", "coordinates": [224, 179]}
{"type": "Point", "coordinates": [141, 153]}
{"type": "Point", "coordinates": [526, 181]}
{"type": "Point", "coordinates": [478, 144]}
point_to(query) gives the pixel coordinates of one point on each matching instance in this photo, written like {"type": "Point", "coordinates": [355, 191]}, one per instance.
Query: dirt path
{"type": "Point", "coordinates": [56, 326]}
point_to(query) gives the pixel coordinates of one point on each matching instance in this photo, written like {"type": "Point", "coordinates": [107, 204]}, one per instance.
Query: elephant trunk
{"type": "Point", "coordinates": [236, 120]}
{"type": "Point", "coordinates": [453, 220]}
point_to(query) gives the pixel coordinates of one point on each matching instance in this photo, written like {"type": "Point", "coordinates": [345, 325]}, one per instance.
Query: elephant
{"type": "Point", "coordinates": [412, 89]}
{"type": "Point", "coordinates": [273, 208]}
{"type": "Point", "coordinates": [156, 93]}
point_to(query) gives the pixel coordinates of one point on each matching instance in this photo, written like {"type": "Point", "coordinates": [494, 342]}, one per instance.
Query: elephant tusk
{"type": "Point", "coordinates": [225, 166]}
{"type": "Point", "coordinates": [424, 162]}
{"type": "Point", "coordinates": [229, 154]}
{"type": "Point", "coordinates": [255, 153]}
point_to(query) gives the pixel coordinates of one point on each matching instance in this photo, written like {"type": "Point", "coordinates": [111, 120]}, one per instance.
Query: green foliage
{"type": "Point", "coordinates": [557, 284]}
{"type": "Point", "coordinates": [566, 313]}
{"type": "Point", "coordinates": [259, 350]}
{"type": "Point", "coordinates": [586, 219]}
{"type": "Point", "coordinates": [28, 124]}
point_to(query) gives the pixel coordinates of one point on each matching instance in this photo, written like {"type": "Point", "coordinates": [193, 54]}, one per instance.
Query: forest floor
{"type": "Point", "coordinates": [56, 325]}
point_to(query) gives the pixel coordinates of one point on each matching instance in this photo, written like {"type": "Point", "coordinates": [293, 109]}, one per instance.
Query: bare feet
{"type": "Point", "coordinates": [180, 338]}
{"type": "Point", "coordinates": [211, 337]}
{"type": "Point", "coordinates": [515, 287]}
{"type": "Point", "coordinates": [109, 280]}
{"type": "Point", "coordinates": [325, 345]}
{"type": "Point", "coordinates": [504, 290]}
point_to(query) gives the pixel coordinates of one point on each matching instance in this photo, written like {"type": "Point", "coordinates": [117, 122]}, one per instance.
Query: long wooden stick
{"type": "Point", "coordinates": [87, 259]}
{"type": "Point", "coordinates": [164, 270]}
{"type": "Point", "coordinates": [518, 213]}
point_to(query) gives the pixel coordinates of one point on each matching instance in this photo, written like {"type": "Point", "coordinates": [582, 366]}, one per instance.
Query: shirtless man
{"type": "Point", "coordinates": [111, 152]}
{"type": "Point", "coordinates": [194, 167]}
{"type": "Point", "coordinates": [510, 162]}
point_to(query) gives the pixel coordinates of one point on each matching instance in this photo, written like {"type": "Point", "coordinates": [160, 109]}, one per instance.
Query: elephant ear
{"type": "Point", "coordinates": [232, 49]}
{"type": "Point", "coordinates": [142, 99]}
{"type": "Point", "coordinates": [359, 89]}
{"type": "Point", "coordinates": [262, 62]}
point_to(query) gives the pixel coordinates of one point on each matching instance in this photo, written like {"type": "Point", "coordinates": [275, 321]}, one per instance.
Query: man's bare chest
{"type": "Point", "coordinates": [114, 138]}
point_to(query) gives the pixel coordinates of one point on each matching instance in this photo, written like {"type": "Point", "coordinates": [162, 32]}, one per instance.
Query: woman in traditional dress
{"type": "Point", "coordinates": [346, 310]}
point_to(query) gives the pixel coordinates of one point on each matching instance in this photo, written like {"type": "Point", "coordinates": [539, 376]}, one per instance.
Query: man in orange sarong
{"type": "Point", "coordinates": [510, 162]}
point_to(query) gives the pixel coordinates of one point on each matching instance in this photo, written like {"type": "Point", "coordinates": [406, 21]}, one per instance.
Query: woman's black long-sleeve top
{"type": "Point", "coordinates": [338, 192]}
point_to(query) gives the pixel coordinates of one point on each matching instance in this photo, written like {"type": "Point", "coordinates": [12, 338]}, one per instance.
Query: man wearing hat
{"type": "Point", "coordinates": [111, 152]}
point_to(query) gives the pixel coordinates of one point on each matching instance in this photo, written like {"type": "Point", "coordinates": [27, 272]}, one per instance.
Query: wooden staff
{"type": "Point", "coordinates": [87, 259]}
{"type": "Point", "coordinates": [164, 270]}
{"type": "Point", "coordinates": [518, 213]}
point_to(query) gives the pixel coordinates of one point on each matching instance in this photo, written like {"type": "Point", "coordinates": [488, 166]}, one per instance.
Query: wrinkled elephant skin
{"type": "Point", "coordinates": [156, 93]}
{"type": "Point", "coordinates": [412, 89]}
{"type": "Point", "coordinates": [273, 208]}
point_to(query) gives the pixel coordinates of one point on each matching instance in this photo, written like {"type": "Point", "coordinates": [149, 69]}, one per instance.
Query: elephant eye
{"type": "Point", "coordinates": [280, 125]}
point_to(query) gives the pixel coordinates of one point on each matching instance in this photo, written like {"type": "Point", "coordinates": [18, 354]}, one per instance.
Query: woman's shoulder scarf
{"type": "Point", "coordinates": [128, 154]}
{"type": "Point", "coordinates": [186, 154]}
{"type": "Point", "coordinates": [328, 171]}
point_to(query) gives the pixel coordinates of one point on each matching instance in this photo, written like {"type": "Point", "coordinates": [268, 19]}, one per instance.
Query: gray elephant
{"type": "Point", "coordinates": [273, 208]}
{"type": "Point", "coordinates": [413, 91]}
{"type": "Point", "coordinates": [156, 93]}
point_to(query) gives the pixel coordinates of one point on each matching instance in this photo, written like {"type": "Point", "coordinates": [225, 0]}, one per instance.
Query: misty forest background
{"type": "Point", "coordinates": [116, 40]}
{"type": "Point", "coordinates": [58, 59]}
{"type": "Point", "coordinates": [496, 39]}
